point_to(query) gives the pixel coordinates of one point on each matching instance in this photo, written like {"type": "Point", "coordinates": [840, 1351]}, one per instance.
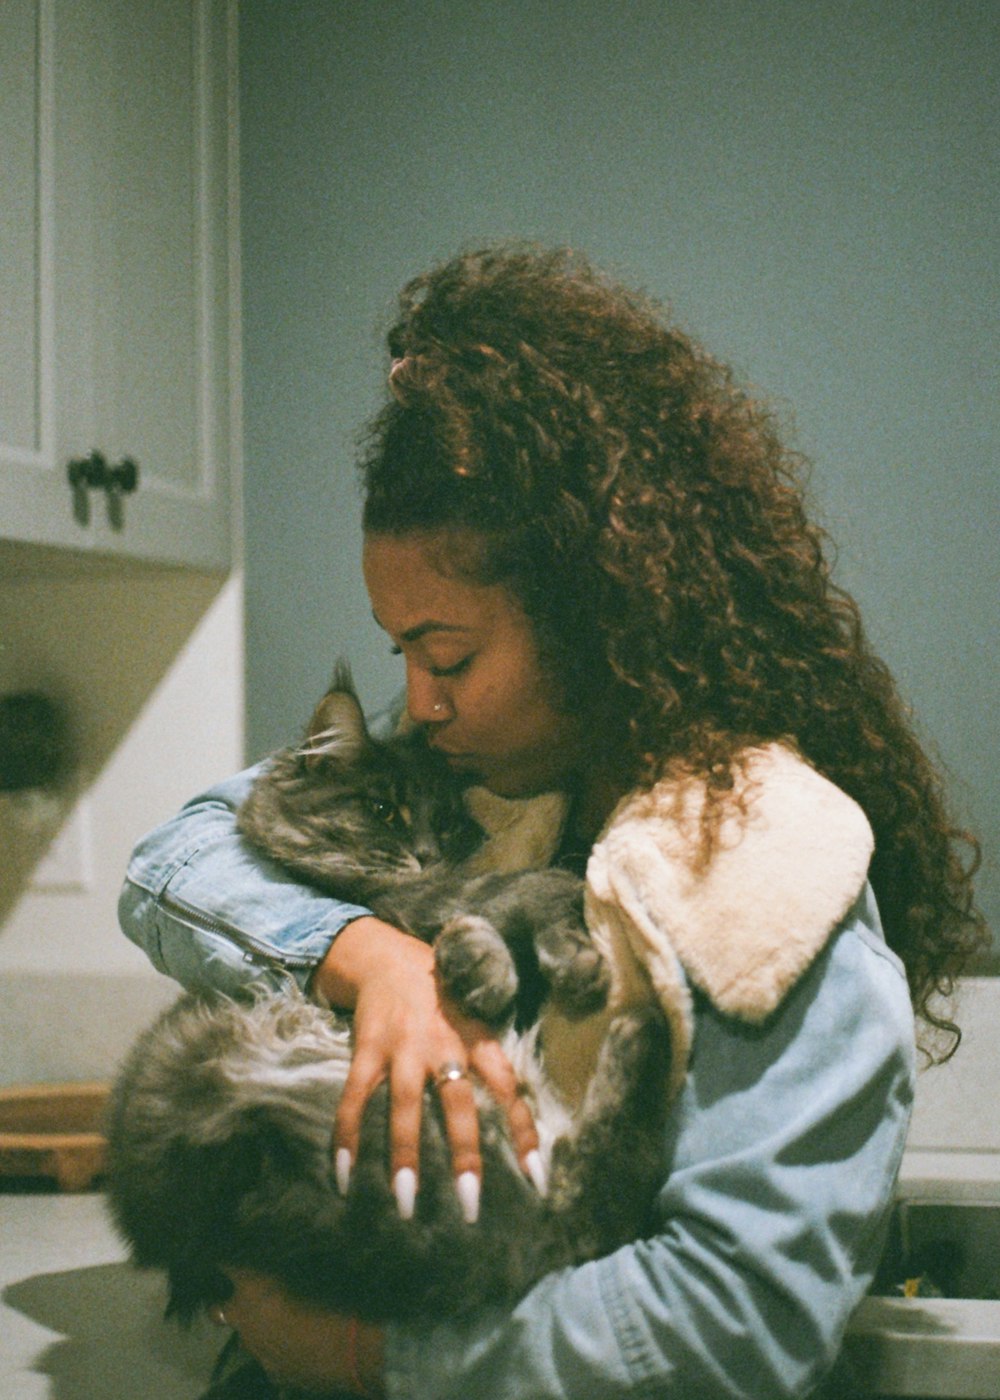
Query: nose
{"type": "Point", "coordinates": [425, 704]}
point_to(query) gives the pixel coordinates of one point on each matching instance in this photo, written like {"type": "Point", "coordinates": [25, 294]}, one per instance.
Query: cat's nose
{"type": "Point", "coordinates": [427, 851]}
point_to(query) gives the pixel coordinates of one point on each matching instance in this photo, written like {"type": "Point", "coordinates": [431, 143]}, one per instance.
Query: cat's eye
{"type": "Point", "coordinates": [385, 811]}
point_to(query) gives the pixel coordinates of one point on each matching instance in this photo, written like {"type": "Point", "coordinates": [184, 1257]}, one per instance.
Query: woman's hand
{"type": "Point", "coordinates": [406, 1031]}
{"type": "Point", "coordinates": [298, 1344]}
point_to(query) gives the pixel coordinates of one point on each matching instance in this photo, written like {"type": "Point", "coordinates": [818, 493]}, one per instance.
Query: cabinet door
{"type": "Point", "coordinates": [117, 246]}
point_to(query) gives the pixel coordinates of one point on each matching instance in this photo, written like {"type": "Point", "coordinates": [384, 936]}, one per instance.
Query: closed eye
{"type": "Point", "coordinates": [439, 672]}
{"type": "Point", "coordinates": [455, 670]}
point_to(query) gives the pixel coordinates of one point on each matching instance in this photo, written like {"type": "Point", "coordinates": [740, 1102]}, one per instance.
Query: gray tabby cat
{"type": "Point", "coordinates": [220, 1129]}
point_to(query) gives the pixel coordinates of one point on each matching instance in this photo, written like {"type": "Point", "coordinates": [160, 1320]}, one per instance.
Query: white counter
{"type": "Point", "coordinates": [76, 1320]}
{"type": "Point", "coordinates": [946, 1346]}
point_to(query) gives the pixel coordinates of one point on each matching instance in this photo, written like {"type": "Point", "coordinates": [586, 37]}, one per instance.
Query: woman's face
{"type": "Point", "coordinates": [473, 676]}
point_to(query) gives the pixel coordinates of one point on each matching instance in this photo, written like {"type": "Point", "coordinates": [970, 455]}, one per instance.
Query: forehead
{"type": "Point", "coordinates": [413, 592]}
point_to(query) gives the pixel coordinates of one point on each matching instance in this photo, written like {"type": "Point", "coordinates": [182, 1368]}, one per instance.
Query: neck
{"type": "Point", "coordinates": [596, 798]}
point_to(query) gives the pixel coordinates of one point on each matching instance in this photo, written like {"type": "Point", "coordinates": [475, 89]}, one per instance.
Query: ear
{"type": "Point", "coordinates": [337, 728]}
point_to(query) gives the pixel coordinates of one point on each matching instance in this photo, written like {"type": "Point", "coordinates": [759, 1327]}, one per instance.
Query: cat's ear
{"type": "Point", "coordinates": [336, 730]}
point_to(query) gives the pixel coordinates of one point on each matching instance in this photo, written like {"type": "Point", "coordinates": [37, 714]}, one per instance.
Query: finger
{"type": "Point", "coordinates": [461, 1119]}
{"type": "Point", "coordinates": [495, 1070]}
{"type": "Point", "coordinates": [366, 1073]}
{"type": "Point", "coordinates": [524, 1136]}
{"type": "Point", "coordinates": [406, 1098]}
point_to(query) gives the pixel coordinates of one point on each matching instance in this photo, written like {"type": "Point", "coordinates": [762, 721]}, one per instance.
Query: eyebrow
{"type": "Point", "coordinates": [413, 634]}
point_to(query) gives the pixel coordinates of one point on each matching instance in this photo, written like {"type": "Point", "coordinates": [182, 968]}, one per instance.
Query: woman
{"type": "Point", "coordinates": [591, 551]}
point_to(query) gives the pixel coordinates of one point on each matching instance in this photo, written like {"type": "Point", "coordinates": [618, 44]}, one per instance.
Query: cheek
{"type": "Point", "coordinates": [520, 722]}
{"type": "Point", "coordinates": [505, 707]}
{"type": "Point", "coordinates": [486, 721]}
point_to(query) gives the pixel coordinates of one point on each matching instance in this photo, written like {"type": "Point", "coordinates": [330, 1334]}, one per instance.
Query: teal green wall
{"type": "Point", "coordinates": [813, 186]}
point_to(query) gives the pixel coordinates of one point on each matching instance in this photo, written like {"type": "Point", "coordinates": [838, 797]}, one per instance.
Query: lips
{"type": "Point", "coordinates": [450, 755]}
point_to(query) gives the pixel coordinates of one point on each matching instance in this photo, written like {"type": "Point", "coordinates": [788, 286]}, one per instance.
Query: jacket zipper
{"type": "Point", "coordinates": [253, 950]}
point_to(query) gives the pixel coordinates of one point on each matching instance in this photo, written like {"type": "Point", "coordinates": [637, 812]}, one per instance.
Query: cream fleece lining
{"type": "Point", "coordinates": [790, 861]}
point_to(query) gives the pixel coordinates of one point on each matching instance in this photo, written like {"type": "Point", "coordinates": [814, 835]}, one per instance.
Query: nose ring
{"type": "Point", "coordinates": [436, 709]}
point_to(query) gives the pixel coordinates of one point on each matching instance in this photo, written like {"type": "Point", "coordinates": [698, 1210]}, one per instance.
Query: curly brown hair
{"type": "Point", "coordinates": [647, 516]}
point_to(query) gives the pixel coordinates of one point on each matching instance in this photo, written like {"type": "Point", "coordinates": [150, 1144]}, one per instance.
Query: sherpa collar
{"type": "Point", "coordinates": [790, 859]}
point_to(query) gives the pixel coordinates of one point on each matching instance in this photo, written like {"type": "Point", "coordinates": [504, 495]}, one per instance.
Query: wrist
{"type": "Point", "coordinates": [363, 949]}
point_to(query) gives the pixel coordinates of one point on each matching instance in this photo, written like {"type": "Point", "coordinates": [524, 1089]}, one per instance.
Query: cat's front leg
{"type": "Point", "coordinates": [545, 907]}
{"type": "Point", "coordinates": [476, 968]}
{"type": "Point", "coordinates": [605, 1174]}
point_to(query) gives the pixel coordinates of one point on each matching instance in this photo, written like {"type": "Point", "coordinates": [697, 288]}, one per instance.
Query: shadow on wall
{"type": "Point", "coordinates": [96, 640]}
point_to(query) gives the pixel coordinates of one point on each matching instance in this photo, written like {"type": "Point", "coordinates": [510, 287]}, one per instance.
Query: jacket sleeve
{"type": "Point", "coordinates": [783, 1150]}
{"type": "Point", "coordinates": [211, 911]}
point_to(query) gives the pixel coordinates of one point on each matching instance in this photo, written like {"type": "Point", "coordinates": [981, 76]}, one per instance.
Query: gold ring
{"type": "Point", "coordinates": [449, 1072]}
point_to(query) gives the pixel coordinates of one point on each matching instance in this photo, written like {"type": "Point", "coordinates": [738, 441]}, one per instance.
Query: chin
{"type": "Point", "coordinates": [507, 784]}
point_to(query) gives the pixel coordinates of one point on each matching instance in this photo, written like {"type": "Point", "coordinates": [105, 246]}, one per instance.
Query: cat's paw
{"type": "Point", "coordinates": [576, 972]}
{"type": "Point", "coordinates": [476, 968]}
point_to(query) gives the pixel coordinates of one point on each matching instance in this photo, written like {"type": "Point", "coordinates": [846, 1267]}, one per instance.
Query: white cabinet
{"type": "Point", "coordinates": [118, 273]}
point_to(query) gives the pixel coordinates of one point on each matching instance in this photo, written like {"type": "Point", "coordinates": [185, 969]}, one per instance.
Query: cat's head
{"type": "Point", "coordinates": [345, 807]}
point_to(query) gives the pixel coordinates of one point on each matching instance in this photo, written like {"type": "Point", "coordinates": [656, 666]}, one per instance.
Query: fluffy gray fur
{"type": "Point", "coordinates": [220, 1128]}
{"type": "Point", "coordinates": [382, 824]}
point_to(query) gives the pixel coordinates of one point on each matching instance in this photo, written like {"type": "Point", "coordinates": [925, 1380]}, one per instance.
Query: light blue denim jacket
{"type": "Point", "coordinates": [780, 1159]}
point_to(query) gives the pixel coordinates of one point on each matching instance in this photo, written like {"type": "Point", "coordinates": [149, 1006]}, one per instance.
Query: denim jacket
{"type": "Point", "coordinates": [781, 1155]}
{"type": "Point", "coordinates": [211, 912]}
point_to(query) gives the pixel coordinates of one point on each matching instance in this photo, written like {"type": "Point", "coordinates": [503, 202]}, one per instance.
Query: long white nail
{"type": "Point", "coordinates": [342, 1168]}
{"type": "Point", "coordinates": [536, 1171]}
{"type": "Point", "coordinates": [467, 1190]}
{"type": "Point", "coordinates": [404, 1186]}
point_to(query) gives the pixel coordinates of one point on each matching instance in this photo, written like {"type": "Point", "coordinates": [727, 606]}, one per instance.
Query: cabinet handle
{"type": "Point", "coordinates": [94, 472]}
